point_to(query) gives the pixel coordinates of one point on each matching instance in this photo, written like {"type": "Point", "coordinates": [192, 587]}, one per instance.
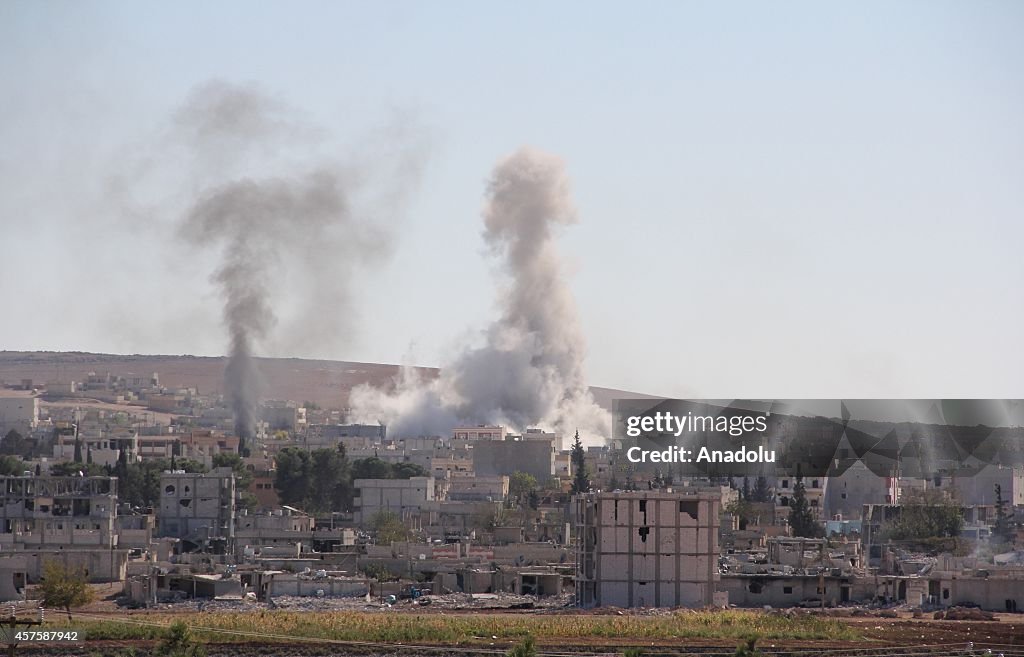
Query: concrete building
{"type": "Point", "coordinates": [284, 415]}
{"type": "Point", "coordinates": [68, 519]}
{"type": "Point", "coordinates": [19, 413]}
{"type": "Point", "coordinates": [404, 497]}
{"type": "Point", "coordinates": [647, 549]}
{"type": "Point", "coordinates": [506, 457]}
{"type": "Point", "coordinates": [477, 488]}
{"type": "Point", "coordinates": [101, 446]}
{"type": "Point", "coordinates": [847, 493]}
{"type": "Point", "coordinates": [481, 432]}
{"type": "Point", "coordinates": [197, 507]}
{"type": "Point", "coordinates": [814, 491]}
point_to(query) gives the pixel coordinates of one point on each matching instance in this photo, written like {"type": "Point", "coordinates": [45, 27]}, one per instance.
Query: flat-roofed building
{"type": "Point", "coordinates": [647, 549]}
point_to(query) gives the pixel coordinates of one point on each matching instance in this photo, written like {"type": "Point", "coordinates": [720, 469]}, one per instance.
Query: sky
{"type": "Point", "coordinates": [775, 200]}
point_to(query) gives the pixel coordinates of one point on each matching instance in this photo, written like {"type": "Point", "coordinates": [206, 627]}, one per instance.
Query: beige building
{"type": "Point", "coordinates": [404, 497]}
{"type": "Point", "coordinates": [68, 519]}
{"type": "Point", "coordinates": [647, 549]}
{"type": "Point", "coordinates": [481, 432]}
{"type": "Point", "coordinates": [197, 507]}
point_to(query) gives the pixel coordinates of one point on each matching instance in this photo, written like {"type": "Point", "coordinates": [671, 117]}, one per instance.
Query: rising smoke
{"type": "Point", "coordinates": [295, 221]}
{"type": "Point", "coordinates": [529, 371]}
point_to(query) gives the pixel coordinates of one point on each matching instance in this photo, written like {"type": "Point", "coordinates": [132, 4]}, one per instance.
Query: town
{"type": "Point", "coordinates": [124, 481]}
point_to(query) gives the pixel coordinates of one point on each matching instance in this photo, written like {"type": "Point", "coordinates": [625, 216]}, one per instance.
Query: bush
{"type": "Point", "coordinates": [178, 643]}
{"type": "Point", "coordinates": [525, 648]}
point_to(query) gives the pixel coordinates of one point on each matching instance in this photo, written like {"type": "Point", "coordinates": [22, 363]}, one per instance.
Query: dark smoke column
{"type": "Point", "coordinates": [257, 224]}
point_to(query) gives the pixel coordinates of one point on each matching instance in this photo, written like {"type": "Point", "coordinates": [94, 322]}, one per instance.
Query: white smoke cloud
{"type": "Point", "coordinates": [529, 371]}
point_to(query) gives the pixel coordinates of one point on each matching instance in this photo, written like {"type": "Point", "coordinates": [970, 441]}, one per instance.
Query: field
{"type": "Point", "coordinates": [604, 632]}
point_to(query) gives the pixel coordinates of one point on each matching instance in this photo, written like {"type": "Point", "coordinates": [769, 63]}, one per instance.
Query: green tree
{"type": "Point", "coordinates": [292, 480]}
{"type": "Point", "coordinates": [742, 509]}
{"type": "Point", "coordinates": [371, 468]}
{"type": "Point", "coordinates": [69, 469]}
{"type": "Point", "coordinates": [65, 588]}
{"type": "Point", "coordinates": [762, 492]}
{"type": "Point", "coordinates": [10, 465]}
{"type": "Point", "coordinates": [522, 486]}
{"type": "Point", "coordinates": [406, 470]}
{"type": "Point", "coordinates": [178, 642]}
{"type": "Point", "coordinates": [1002, 529]}
{"type": "Point", "coordinates": [925, 517]}
{"type": "Point", "coordinates": [14, 444]}
{"type": "Point", "coordinates": [580, 477]}
{"type": "Point", "coordinates": [801, 518]}
{"type": "Point", "coordinates": [78, 450]}
{"type": "Point", "coordinates": [243, 477]}
{"type": "Point", "coordinates": [388, 527]}
{"type": "Point", "coordinates": [330, 480]}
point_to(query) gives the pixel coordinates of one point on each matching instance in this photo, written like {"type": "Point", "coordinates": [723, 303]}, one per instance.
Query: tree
{"type": "Point", "coordinates": [801, 518]}
{"type": "Point", "coordinates": [371, 468]}
{"type": "Point", "coordinates": [10, 465]}
{"type": "Point", "coordinates": [78, 450]}
{"type": "Point", "coordinates": [1002, 528]}
{"type": "Point", "coordinates": [406, 470]}
{"type": "Point", "coordinates": [178, 642]}
{"type": "Point", "coordinates": [762, 491]}
{"type": "Point", "coordinates": [243, 476]}
{"type": "Point", "coordinates": [138, 484]}
{"type": "Point", "coordinates": [742, 509]}
{"type": "Point", "coordinates": [14, 444]}
{"type": "Point", "coordinates": [330, 480]}
{"type": "Point", "coordinates": [521, 487]}
{"type": "Point", "coordinates": [69, 469]}
{"type": "Point", "coordinates": [64, 588]}
{"type": "Point", "coordinates": [580, 478]}
{"type": "Point", "coordinates": [292, 480]}
{"type": "Point", "coordinates": [925, 517]}
{"type": "Point", "coordinates": [745, 490]}
{"type": "Point", "coordinates": [388, 527]}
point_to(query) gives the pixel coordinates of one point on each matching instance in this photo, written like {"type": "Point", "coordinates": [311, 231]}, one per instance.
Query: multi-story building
{"type": "Point", "coordinates": [506, 457]}
{"type": "Point", "coordinates": [647, 549]}
{"type": "Point", "coordinates": [19, 413]}
{"type": "Point", "coordinates": [480, 432]}
{"type": "Point", "coordinates": [100, 446]}
{"type": "Point", "coordinates": [197, 507]}
{"type": "Point", "coordinates": [404, 497]}
{"type": "Point", "coordinates": [72, 520]}
{"type": "Point", "coordinates": [814, 490]}
{"type": "Point", "coordinates": [286, 415]}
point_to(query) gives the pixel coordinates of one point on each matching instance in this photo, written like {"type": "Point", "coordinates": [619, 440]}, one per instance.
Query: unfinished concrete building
{"type": "Point", "coordinates": [199, 508]}
{"type": "Point", "coordinates": [647, 549]}
{"type": "Point", "coordinates": [68, 519]}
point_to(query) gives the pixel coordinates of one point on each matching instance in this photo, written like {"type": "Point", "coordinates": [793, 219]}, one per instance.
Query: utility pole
{"type": "Point", "coordinates": [11, 629]}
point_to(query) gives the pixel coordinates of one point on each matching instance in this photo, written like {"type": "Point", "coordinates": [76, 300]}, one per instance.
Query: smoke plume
{"type": "Point", "coordinates": [529, 371]}
{"type": "Point", "coordinates": [288, 228]}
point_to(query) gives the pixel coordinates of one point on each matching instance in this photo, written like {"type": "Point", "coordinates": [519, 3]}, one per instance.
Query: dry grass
{"type": "Point", "coordinates": [455, 629]}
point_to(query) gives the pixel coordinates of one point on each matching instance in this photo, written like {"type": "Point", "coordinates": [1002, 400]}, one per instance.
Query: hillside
{"type": "Point", "coordinates": [326, 382]}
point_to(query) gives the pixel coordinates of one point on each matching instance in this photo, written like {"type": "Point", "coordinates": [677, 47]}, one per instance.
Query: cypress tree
{"type": "Point", "coordinates": [580, 480]}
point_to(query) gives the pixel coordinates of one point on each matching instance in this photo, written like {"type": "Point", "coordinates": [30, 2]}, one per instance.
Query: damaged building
{"type": "Point", "coordinates": [70, 520]}
{"type": "Point", "coordinates": [647, 549]}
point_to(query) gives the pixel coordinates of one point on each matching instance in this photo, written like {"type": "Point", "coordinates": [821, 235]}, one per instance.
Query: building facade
{"type": "Point", "coordinates": [647, 549]}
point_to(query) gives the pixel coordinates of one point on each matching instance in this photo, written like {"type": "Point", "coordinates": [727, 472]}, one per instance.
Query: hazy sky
{"type": "Point", "coordinates": [775, 199]}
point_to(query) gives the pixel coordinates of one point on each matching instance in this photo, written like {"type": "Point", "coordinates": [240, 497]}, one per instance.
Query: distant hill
{"type": "Point", "coordinates": [326, 382]}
